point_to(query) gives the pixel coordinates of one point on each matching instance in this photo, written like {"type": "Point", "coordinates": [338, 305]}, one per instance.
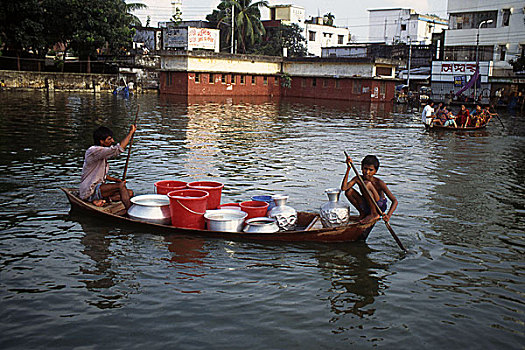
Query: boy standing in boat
{"type": "Point", "coordinates": [377, 188]}
{"type": "Point", "coordinates": [93, 186]}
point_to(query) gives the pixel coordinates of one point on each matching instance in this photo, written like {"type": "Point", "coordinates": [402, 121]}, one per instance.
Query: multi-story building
{"type": "Point", "coordinates": [314, 30]}
{"type": "Point", "coordinates": [488, 33]}
{"type": "Point", "coordinates": [403, 25]}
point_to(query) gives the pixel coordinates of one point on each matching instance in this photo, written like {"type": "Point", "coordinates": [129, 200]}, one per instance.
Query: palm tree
{"type": "Point", "coordinates": [247, 20]}
{"type": "Point", "coordinates": [133, 6]}
{"type": "Point", "coordinates": [329, 19]}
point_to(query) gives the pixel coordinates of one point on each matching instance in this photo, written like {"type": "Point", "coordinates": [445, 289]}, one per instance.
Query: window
{"type": "Point", "coordinates": [325, 83]}
{"type": "Point", "coordinates": [356, 89]}
{"type": "Point", "coordinates": [506, 18]}
{"type": "Point", "coordinates": [385, 71]}
{"type": "Point", "coordinates": [303, 82]}
{"type": "Point", "coordinates": [223, 78]}
{"type": "Point", "coordinates": [265, 80]}
{"type": "Point", "coordinates": [314, 82]}
{"type": "Point", "coordinates": [212, 79]}
{"type": "Point", "coordinates": [276, 81]}
{"type": "Point", "coordinates": [340, 39]}
{"type": "Point", "coordinates": [253, 79]}
{"type": "Point", "coordinates": [311, 36]}
{"type": "Point", "coordinates": [403, 27]}
{"type": "Point", "coordinates": [243, 79]}
{"type": "Point", "coordinates": [197, 78]}
{"type": "Point", "coordinates": [382, 88]}
{"type": "Point", "coordinates": [337, 84]}
{"type": "Point", "coordinates": [233, 79]}
{"type": "Point", "coordinates": [502, 52]}
{"type": "Point", "coordinates": [168, 79]}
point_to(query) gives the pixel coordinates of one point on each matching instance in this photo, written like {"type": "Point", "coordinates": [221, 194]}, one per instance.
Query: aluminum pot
{"type": "Point", "coordinates": [225, 220]}
{"type": "Point", "coordinates": [261, 225]}
{"type": "Point", "coordinates": [153, 208]}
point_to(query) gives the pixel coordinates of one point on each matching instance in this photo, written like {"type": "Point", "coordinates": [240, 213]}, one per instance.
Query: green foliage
{"type": "Point", "coordinates": [284, 36]}
{"type": "Point", "coordinates": [328, 19]}
{"type": "Point", "coordinates": [249, 29]}
{"type": "Point", "coordinates": [177, 17]}
{"type": "Point", "coordinates": [35, 26]}
{"type": "Point", "coordinates": [286, 80]}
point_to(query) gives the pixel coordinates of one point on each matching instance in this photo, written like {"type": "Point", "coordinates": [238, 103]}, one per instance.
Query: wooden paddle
{"type": "Point", "coordinates": [130, 144]}
{"type": "Point", "coordinates": [363, 185]}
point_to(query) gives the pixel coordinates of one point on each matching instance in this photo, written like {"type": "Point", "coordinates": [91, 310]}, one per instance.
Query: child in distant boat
{"type": "Point", "coordinates": [93, 186]}
{"type": "Point", "coordinates": [377, 188]}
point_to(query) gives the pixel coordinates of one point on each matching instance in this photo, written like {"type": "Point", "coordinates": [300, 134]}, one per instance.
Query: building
{"type": "Point", "coordinates": [314, 30]}
{"type": "Point", "coordinates": [403, 25]}
{"type": "Point", "coordinates": [220, 74]}
{"type": "Point", "coordinates": [491, 32]}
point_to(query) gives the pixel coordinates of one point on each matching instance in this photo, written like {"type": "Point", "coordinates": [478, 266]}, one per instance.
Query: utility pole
{"type": "Point", "coordinates": [233, 30]}
{"type": "Point", "coordinates": [477, 58]}
{"type": "Point", "coordinates": [409, 59]}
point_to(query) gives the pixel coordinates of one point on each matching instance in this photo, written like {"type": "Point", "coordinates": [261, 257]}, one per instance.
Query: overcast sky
{"type": "Point", "coordinates": [348, 13]}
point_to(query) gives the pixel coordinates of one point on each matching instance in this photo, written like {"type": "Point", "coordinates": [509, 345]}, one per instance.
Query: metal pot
{"type": "Point", "coordinates": [153, 208]}
{"type": "Point", "coordinates": [261, 225]}
{"type": "Point", "coordinates": [225, 220]}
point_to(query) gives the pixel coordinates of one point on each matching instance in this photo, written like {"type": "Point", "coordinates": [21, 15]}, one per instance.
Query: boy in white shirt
{"type": "Point", "coordinates": [428, 111]}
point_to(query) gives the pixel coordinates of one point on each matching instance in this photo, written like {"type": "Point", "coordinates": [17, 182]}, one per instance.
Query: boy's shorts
{"type": "Point", "coordinates": [428, 121]}
{"type": "Point", "coordinates": [96, 194]}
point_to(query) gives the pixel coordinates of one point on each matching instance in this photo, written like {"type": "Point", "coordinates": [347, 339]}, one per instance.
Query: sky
{"type": "Point", "coordinates": [348, 13]}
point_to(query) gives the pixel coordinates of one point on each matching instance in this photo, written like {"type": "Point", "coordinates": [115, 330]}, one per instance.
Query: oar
{"type": "Point", "coordinates": [497, 116]}
{"type": "Point", "coordinates": [363, 185]}
{"type": "Point", "coordinates": [130, 144]}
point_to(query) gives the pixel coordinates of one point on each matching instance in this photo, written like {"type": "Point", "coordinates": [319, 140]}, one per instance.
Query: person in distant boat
{"type": "Point", "coordinates": [462, 117]}
{"type": "Point", "coordinates": [93, 186]}
{"type": "Point", "coordinates": [476, 117]}
{"type": "Point", "coordinates": [488, 114]}
{"type": "Point", "coordinates": [362, 202]}
{"type": "Point", "coordinates": [426, 115]}
{"type": "Point", "coordinates": [442, 115]}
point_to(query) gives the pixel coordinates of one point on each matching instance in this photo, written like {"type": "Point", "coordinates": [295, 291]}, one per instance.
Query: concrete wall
{"type": "Point", "coordinates": [58, 81]}
{"type": "Point", "coordinates": [328, 69]}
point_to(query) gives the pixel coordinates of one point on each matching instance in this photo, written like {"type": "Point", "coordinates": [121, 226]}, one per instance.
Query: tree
{"type": "Point", "coordinates": [328, 19]}
{"type": "Point", "coordinates": [247, 21]}
{"type": "Point", "coordinates": [284, 36]}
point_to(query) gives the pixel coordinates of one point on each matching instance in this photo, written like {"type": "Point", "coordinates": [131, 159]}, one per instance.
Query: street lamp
{"type": "Point", "coordinates": [489, 21]}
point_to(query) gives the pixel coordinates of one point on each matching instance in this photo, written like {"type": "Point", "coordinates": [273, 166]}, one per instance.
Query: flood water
{"type": "Point", "coordinates": [72, 281]}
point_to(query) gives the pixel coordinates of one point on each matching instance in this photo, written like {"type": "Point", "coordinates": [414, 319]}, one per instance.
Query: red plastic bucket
{"type": "Point", "coordinates": [213, 188]}
{"type": "Point", "coordinates": [187, 208]}
{"type": "Point", "coordinates": [254, 209]}
{"type": "Point", "coordinates": [230, 206]}
{"type": "Point", "coordinates": [165, 186]}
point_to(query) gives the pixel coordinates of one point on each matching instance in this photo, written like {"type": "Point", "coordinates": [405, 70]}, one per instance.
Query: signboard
{"type": "Point", "coordinates": [456, 71]}
{"type": "Point", "coordinates": [189, 38]}
{"type": "Point", "coordinates": [202, 38]}
{"type": "Point", "coordinates": [459, 81]}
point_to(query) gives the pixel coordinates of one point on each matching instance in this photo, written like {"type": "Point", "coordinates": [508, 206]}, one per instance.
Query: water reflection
{"type": "Point", "coordinates": [100, 278]}
{"type": "Point", "coordinates": [355, 281]}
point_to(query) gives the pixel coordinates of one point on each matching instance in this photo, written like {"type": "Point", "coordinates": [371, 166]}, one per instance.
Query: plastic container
{"type": "Point", "coordinates": [213, 188]}
{"type": "Point", "coordinates": [166, 186]}
{"type": "Point", "coordinates": [267, 199]}
{"type": "Point", "coordinates": [254, 208]}
{"type": "Point", "coordinates": [188, 207]}
{"type": "Point", "coordinates": [235, 206]}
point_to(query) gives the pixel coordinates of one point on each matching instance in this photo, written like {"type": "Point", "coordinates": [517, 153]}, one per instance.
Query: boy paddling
{"type": "Point", "coordinates": [377, 188]}
{"type": "Point", "coordinates": [93, 186]}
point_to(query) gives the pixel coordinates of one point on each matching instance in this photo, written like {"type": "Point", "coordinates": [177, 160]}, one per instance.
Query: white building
{"type": "Point", "coordinates": [316, 33]}
{"type": "Point", "coordinates": [395, 25]}
{"type": "Point", "coordinates": [491, 32]}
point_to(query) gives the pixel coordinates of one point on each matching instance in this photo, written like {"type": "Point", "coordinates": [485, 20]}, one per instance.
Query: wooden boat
{"type": "Point", "coordinates": [308, 225]}
{"type": "Point", "coordinates": [451, 128]}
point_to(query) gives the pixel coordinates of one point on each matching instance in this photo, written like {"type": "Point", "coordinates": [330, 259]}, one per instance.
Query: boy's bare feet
{"type": "Point", "coordinates": [369, 218]}
{"type": "Point", "coordinates": [99, 202]}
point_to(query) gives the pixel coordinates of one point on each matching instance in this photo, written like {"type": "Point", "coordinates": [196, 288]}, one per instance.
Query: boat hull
{"type": "Point", "coordinates": [115, 212]}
